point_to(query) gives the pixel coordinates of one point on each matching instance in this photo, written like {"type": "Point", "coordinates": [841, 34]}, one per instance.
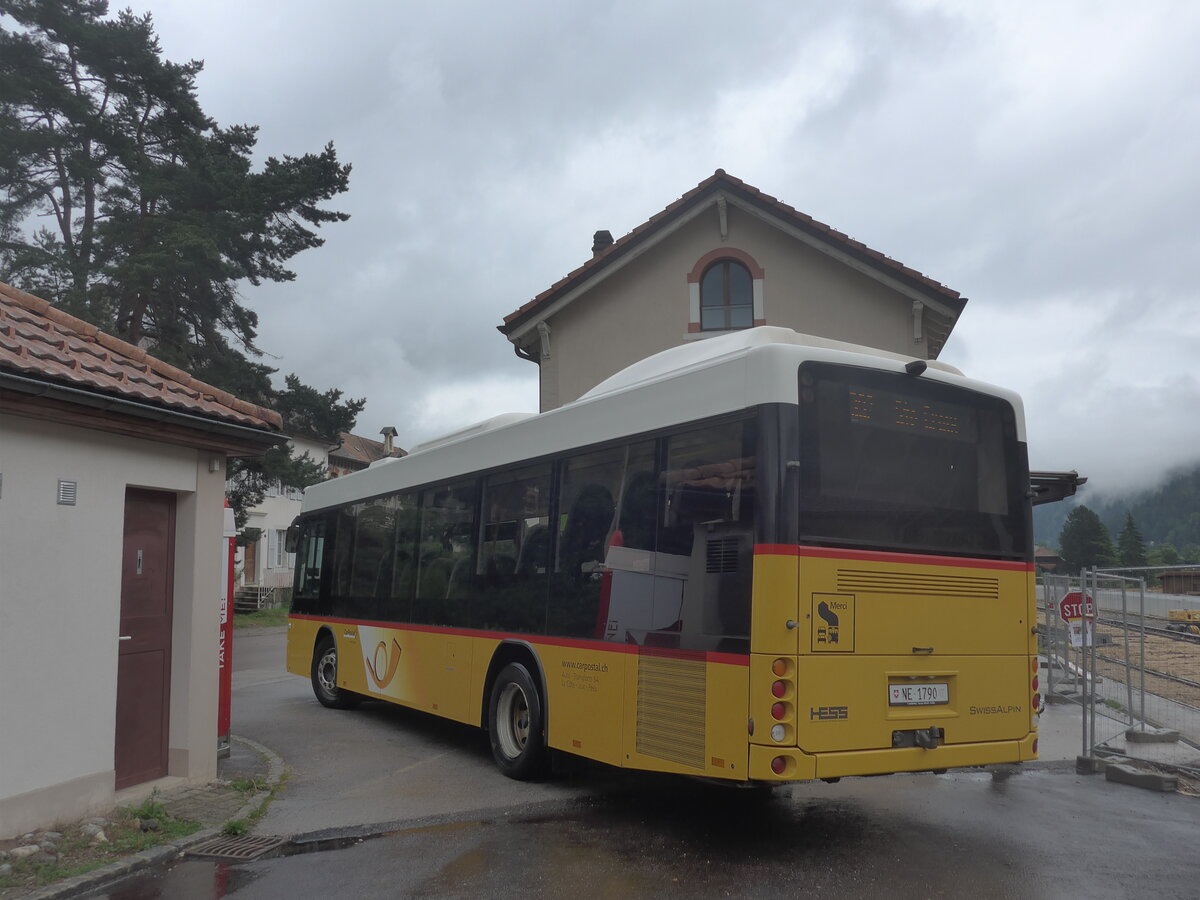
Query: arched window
{"type": "Point", "coordinates": [726, 296]}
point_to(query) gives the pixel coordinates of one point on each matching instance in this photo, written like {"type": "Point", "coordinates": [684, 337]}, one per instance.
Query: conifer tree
{"type": "Point", "coordinates": [1084, 541]}
{"type": "Point", "coordinates": [1131, 549]}
{"type": "Point", "coordinates": [122, 202]}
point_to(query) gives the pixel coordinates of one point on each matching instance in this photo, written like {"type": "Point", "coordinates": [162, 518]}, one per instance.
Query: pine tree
{"type": "Point", "coordinates": [306, 413]}
{"type": "Point", "coordinates": [155, 214]}
{"type": "Point", "coordinates": [1131, 549]}
{"type": "Point", "coordinates": [1084, 541]}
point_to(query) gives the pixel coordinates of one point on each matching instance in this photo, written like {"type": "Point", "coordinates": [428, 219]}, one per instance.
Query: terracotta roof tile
{"type": "Point", "coordinates": [360, 449]}
{"type": "Point", "coordinates": [40, 341]}
{"type": "Point", "coordinates": [720, 179]}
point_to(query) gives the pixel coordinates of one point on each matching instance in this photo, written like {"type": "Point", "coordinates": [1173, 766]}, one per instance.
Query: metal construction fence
{"type": "Point", "coordinates": [1109, 642]}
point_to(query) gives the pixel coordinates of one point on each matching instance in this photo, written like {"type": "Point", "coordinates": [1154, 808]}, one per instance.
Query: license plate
{"type": "Point", "coordinates": [918, 694]}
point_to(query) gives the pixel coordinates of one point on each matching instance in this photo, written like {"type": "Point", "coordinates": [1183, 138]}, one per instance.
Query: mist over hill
{"type": "Point", "coordinates": [1166, 514]}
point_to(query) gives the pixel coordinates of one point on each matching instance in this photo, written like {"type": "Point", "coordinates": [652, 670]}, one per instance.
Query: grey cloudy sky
{"type": "Point", "coordinates": [1041, 158]}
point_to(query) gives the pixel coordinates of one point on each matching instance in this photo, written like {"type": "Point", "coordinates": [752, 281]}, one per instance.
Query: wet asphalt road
{"type": "Point", "coordinates": [1043, 832]}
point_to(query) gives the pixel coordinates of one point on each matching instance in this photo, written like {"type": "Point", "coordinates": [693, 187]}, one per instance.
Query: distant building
{"type": "Point", "coordinates": [1185, 581]}
{"type": "Point", "coordinates": [723, 257]}
{"type": "Point", "coordinates": [1046, 560]}
{"type": "Point", "coordinates": [355, 453]}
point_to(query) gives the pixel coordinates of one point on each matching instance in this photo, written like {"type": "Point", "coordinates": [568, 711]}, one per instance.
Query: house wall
{"type": "Point", "coordinates": [275, 514]}
{"type": "Point", "coordinates": [644, 307]}
{"type": "Point", "coordinates": [60, 585]}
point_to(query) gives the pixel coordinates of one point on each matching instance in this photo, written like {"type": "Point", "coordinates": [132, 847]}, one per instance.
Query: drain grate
{"type": "Point", "coordinates": [237, 847]}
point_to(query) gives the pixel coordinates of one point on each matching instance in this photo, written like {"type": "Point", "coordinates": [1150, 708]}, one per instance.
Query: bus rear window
{"type": "Point", "coordinates": [890, 461]}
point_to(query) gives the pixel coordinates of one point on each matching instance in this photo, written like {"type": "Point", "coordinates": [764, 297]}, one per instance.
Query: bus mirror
{"type": "Point", "coordinates": [292, 540]}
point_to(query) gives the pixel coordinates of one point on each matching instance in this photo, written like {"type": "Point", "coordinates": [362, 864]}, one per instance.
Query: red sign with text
{"type": "Point", "coordinates": [1071, 607]}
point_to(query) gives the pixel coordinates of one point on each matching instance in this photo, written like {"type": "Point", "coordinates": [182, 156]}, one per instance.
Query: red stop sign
{"type": "Point", "coordinates": [1071, 606]}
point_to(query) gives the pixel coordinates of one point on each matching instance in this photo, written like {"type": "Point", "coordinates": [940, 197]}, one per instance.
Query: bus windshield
{"type": "Point", "coordinates": [896, 462]}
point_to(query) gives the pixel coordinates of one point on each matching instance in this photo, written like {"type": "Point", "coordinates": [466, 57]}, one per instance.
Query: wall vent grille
{"type": "Point", "coordinates": [68, 491]}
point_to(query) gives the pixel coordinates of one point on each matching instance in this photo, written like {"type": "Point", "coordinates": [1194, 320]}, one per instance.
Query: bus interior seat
{"type": "Point", "coordinates": [586, 529]}
{"type": "Point", "coordinates": [639, 511]}
{"type": "Point", "coordinates": [534, 551]}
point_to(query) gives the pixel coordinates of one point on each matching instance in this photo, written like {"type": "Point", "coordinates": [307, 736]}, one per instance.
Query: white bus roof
{"type": "Point", "coordinates": [710, 377]}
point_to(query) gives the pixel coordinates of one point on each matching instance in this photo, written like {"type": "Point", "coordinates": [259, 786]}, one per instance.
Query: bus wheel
{"type": "Point", "coordinates": [324, 677]}
{"type": "Point", "coordinates": [516, 724]}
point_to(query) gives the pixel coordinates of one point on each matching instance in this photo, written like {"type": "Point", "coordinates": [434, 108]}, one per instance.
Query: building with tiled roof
{"type": "Point", "coordinates": [356, 452]}
{"type": "Point", "coordinates": [724, 256]}
{"type": "Point", "coordinates": [112, 485]}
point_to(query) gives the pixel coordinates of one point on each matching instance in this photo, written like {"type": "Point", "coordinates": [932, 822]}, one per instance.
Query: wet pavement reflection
{"type": "Point", "coordinates": [983, 834]}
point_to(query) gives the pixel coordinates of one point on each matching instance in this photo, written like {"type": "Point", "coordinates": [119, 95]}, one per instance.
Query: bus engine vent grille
{"type": "Point", "coordinates": [670, 709]}
{"type": "Point", "coordinates": [858, 581]}
{"type": "Point", "coordinates": [722, 556]}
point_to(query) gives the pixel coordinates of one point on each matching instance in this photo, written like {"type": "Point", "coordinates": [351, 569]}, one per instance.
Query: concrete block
{"type": "Point", "coordinates": [1124, 774]}
{"type": "Point", "coordinates": [1151, 736]}
{"type": "Point", "coordinates": [1088, 765]}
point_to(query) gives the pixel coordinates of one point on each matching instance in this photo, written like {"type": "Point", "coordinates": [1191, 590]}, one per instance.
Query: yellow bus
{"type": "Point", "coordinates": [761, 557]}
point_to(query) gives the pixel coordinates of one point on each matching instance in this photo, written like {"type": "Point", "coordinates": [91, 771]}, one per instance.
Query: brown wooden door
{"type": "Point", "coordinates": [144, 657]}
{"type": "Point", "coordinates": [250, 564]}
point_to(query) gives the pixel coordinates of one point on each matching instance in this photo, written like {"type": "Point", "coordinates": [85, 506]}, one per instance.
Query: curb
{"type": "Point", "coordinates": [163, 853]}
{"type": "Point", "coordinates": [1127, 774]}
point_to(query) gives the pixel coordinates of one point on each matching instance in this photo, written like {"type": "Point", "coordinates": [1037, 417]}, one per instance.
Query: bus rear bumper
{"type": "Point", "coordinates": [801, 766]}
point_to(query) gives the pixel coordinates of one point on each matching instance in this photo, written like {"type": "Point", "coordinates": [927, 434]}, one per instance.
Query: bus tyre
{"type": "Point", "coordinates": [517, 725]}
{"type": "Point", "coordinates": [324, 677]}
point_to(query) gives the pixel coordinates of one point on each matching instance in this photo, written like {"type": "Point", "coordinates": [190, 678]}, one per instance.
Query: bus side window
{"type": "Point", "coordinates": [374, 542]}
{"type": "Point", "coordinates": [605, 540]}
{"type": "Point", "coordinates": [343, 559]}
{"type": "Point", "coordinates": [443, 595]}
{"type": "Point", "coordinates": [511, 572]}
{"type": "Point", "coordinates": [310, 552]}
{"type": "Point", "coordinates": [404, 568]}
{"type": "Point", "coordinates": [708, 516]}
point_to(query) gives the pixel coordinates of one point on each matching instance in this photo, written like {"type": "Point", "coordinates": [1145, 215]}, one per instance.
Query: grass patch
{"type": "Point", "coordinates": [249, 786]}
{"type": "Point", "coordinates": [263, 618]}
{"type": "Point", "coordinates": [78, 853]}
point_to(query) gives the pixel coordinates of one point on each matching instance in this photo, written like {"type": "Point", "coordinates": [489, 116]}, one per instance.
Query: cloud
{"type": "Point", "coordinates": [1039, 158]}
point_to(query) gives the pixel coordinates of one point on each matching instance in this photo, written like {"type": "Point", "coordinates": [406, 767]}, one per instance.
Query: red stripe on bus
{"type": "Point", "coordinates": [729, 659]}
{"type": "Point", "coordinates": [883, 556]}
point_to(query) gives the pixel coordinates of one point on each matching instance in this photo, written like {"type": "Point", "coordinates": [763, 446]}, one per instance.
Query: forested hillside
{"type": "Point", "coordinates": [1167, 514]}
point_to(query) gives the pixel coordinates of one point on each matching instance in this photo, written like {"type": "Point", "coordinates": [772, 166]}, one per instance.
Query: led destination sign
{"type": "Point", "coordinates": [911, 415]}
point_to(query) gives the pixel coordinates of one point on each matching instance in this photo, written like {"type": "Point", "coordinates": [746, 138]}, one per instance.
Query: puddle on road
{"type": "Point", "coordinates": [189, 879]}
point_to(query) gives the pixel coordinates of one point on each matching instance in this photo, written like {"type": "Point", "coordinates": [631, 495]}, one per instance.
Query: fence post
{"type": "Point", "coordinates": [1089, 640]}
{"type": "Point", "coordinates": [1049, 648]}
{"type": "Point", "coordinates": [1128, 673]}
{"type": "Point", "coordinates": [1142, 657]}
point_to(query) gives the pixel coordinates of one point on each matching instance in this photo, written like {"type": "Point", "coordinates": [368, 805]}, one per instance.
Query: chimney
{"type": "Point", "coordinates": [601, 241]}
{"type": "Point", "coordinates": [389, 436]}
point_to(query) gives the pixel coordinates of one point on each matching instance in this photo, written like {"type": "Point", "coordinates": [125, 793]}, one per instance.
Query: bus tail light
{"type": "Point", "coordinates": [779, 765]}
{"type": "Point", "coordinates": [782, 711]}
